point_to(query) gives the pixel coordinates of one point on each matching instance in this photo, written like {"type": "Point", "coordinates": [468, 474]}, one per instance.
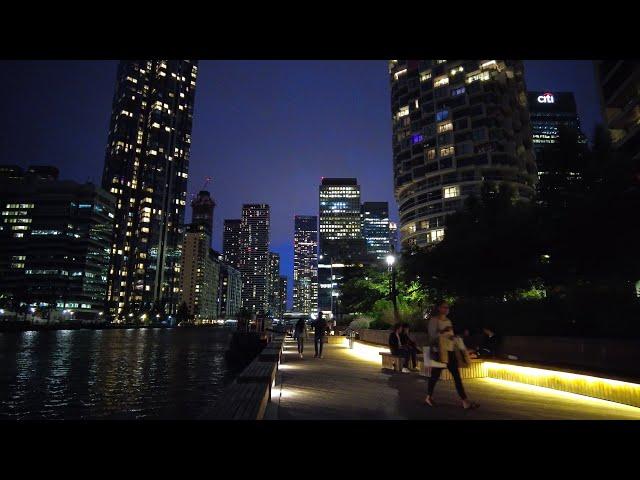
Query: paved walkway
{"type": "Point", "coordinates": [347, 384]}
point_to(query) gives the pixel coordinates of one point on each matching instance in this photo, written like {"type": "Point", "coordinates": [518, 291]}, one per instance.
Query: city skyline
{"type": "Point", "coordinates": [333, 133]}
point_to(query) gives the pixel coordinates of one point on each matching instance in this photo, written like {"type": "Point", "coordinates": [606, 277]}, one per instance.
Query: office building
{"type": "Point", "coordinates": [376, 229]}
{"type": "Point", "coordinates": [146, 169]}
{"type": "Point", "coordinates": [55, 242]}
{"type": "Point", "coordinates": [619, 89]}
{"type": "Point", "coordinates": [456, 124]}
{"type": "Point", "coordinates": [231, 242]}
{"type": "Point", "coordinates": [254, 257]}
{"type": "Point", "coordinates": [305, 264]}
{"type": "Point", "coordinates": [550, 112]}
{"type": "Point", "coordinates": [341, 244]}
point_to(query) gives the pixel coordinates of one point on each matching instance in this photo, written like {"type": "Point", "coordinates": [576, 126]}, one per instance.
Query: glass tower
{"type": "Point", "coordinates": [305, 264]}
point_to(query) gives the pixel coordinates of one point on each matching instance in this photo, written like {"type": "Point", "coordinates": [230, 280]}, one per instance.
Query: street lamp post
{"type": "Point", "coordinates": [391, 260]}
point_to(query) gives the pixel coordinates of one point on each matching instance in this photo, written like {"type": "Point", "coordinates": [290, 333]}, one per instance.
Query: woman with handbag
{"type": "Point", "coordinates": [443, 341]}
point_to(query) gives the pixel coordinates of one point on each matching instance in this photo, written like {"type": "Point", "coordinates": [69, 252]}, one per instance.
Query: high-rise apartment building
{"type": "Point", "coordinates": [376, 228]}
{"type": "Point", "coordinates": [305, 264]}
{"type": "Point", "coordinates": [146, 169]}
{"type": "Point", "coordinates": [282, 296]}
{"type": "Point", "coordinates": [341, 243]}
{"type": "Point", "coordinates": [456, 124]}
{"type": "Point", "coordinates": [254, 256]}
{"type": "Point", "coordinates": [199, 275]}
{"type": "Point", "coordinates": [55, 243]}
{"type": "Point", "coordinates": [273, 283]}
{"type": "Point", "coordinates": [619, 82]}
{"type": "Point", "coordinates": [229, 291]}
{"type": "Point", "coordinates": [231, 242]}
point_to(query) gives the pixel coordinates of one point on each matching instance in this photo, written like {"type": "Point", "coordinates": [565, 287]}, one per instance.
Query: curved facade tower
{"type": "Point", "coordinates": [456, 124]}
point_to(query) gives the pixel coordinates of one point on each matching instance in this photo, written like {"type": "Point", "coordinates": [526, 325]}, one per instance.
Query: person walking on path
{"type": "Point", "coordinates": [299, 334]}
{"type": "Point", "coordinates": [441, 336]}
{"type": "Point", "coordinates": [320, 329]}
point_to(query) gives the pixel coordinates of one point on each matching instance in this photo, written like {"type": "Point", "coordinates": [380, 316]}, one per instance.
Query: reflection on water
{"type": "Point", "coordinates": [111, 374]}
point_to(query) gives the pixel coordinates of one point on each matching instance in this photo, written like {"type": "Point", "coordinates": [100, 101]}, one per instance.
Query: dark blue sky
{"type": "Point", "coordinates": [266, 131]}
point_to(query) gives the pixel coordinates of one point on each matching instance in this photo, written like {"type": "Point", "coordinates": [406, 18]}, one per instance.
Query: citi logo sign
{"type": "Point", "coordinates": [545, 98]}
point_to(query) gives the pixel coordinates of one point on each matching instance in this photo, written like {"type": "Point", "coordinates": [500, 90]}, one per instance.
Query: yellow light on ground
{"type": "Point", "coordinates": [369, 353]}
{"type": "Point", "coordinates": [574, 397]}
{"type": "Point", "coordinates": [603, 388]}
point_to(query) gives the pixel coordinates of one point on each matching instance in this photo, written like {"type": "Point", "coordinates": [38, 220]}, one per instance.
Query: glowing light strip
{"type": "Point", "coordinates": [369, 353]}
{"type": "Point", "coordinates": [603, 388]}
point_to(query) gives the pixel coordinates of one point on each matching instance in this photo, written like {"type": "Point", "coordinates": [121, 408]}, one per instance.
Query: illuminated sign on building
{"type": "Point", "coordinates": [545, 98]}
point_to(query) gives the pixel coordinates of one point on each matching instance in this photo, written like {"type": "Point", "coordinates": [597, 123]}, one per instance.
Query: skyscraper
{"type": "Point", "coordinates": [376, 228]}
{"type": "Point", "coordinates": [550, 112]}
{"type": "Point", "coordinates": [273, 283]}
{"type": "Point", "coordinates": [456, 124]}
{"type": "Point", "coordinates": [231, 242]}
{"type": "Point", "coordinates": [305, 264]}
{"type": "Point", "coordinates": [199, 274]}
{"type": "Point", "coordinates": [254, 256]}
{"type": "Point", "coordinates": [146, 169]}
{"type": "Point", "coordinates": [202, 213]}
{"type": "Point", "coordinates": [619, 82]}
{"type": "Point", "coordinates": [282, 295]}
{"type": "Point", "coordinates": [341, 242]}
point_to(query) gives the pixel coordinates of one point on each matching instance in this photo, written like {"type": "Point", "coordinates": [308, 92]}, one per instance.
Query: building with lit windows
{"type": "Point", "coordinates": [146, 169]}
{"type": "Point", "coordinates": [273, 285]}
{"type": "Point", "coordinates": [231, 242]}
{"type": "Point", "coordinates": [393, 236]}
{"type": "Point", "coordinates": [619, 82]}
{"type": "Point", "coordinates": [341, 244]}
{"type": "Point", "coordinates": [456, 124]}
{"type": "Point", "coordinates": [199, 275]}
{"type": "Point", "coordinates": [254, 257]}
{"type": "Point", "coordinates": [55, 243]}
{"type": "Point", "coordinates": [305, 264]}
{"type": "Point", "coordinates": [282, 296]}
{"type": "Point", "coordinates": [376, 228]}
{"type": "Point", "coordinates": [229, 291]}
{"type": "Point", "coordinates": [550, 112]}
{"type": "Point", "coordinates": [202, 212]}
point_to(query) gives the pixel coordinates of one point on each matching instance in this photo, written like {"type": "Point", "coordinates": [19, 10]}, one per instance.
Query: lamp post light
{"type": "Point", "coordinates": [391, 260]}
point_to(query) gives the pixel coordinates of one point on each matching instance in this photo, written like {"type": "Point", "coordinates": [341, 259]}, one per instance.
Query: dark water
{"type": "Point", "coordinates": [112, 374]}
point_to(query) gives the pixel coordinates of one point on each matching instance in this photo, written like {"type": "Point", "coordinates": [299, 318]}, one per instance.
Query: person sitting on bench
{"type": "Point", "coordinates": [396, 348]}
{"type": "Point", "coordinates": [409, 345]}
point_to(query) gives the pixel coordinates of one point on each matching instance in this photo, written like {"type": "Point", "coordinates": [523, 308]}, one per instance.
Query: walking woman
{"type": "Point", "coordinates": [299, 334]}
{"type": "Point", "coordinates": [440, 330]}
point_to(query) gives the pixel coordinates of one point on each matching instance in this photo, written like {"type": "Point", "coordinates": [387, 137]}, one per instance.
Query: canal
{"type": "Point", "coordinates": [151, 373]}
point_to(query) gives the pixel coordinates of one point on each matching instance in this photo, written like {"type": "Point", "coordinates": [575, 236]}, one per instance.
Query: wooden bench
{"type": "Point", "coordinates": [242, 401]}
{"type": "Point", "coordinates": [392, 362]}
{"type": "Point", "coordinates": [270, 354]}
{"type": "Point", "coordinates": [259, 372]}
{"type": "Point", "coordinates": [474, 370]}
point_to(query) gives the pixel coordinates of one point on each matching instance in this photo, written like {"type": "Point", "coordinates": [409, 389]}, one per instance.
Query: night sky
{"type": "Point", "coordinates": [266, 131]}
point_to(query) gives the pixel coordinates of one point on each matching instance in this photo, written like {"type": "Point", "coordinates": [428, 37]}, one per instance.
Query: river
{"type": "Point", "coordinates": [150, 373]}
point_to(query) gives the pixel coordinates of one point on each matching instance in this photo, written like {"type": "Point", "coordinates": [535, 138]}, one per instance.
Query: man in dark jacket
{"type": "Point", "coordinates": [490, 343]}
{"type": "Point", "coordinates": [409, 345]}
{"type": "Point", "coordinates": [395, 345]}
{"type": "Point", "coordinates": [320, 328]}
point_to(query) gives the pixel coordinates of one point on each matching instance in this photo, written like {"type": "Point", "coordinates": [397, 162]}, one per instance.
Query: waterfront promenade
{"type": "Point", "coordinates": [350, 385]}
